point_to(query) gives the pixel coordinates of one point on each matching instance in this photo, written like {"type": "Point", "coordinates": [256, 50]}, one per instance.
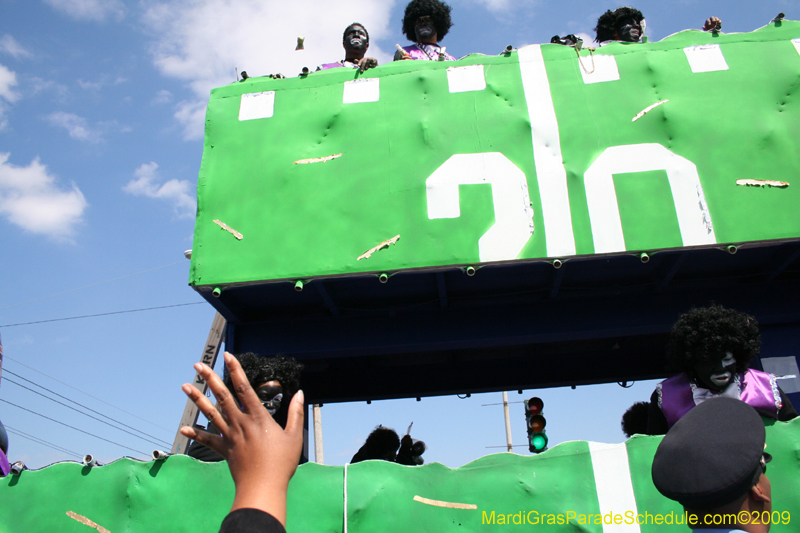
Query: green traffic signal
{"type": "Point", "coordinates": [537, 437]}
{"type": "Point", "coordinates": [538, 443]}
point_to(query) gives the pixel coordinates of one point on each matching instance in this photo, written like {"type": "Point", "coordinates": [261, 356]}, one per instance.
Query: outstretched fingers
{"type": "Point", "coordinates": [247, 396]}
{"type": "Point", "coordinates": [202, 402]}
{"type": "Point", "coordinates": [215, 442]}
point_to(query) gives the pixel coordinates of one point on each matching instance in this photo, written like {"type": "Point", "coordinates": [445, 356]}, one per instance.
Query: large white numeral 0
{"type": "Point", "coordinates": [694, 219]}
{"type": "Point", "coordinates": [512, 205]}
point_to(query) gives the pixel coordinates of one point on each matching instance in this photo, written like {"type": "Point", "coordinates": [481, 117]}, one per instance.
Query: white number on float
{"type": "Point", "coordinates": [512, 205]}
{"type": "Point", "coordinates": [694, 219]}
{"type": "Point", "coordinates": [551, 175]}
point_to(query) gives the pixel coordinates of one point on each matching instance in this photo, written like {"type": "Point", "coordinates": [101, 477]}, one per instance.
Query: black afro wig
{"type": "Point", "coordinates": [438, 11]}
{"type": "Point", "coordinates": [635, 419]}
{"type": "Point", "coordinates": [382, 442]}
{"type": "Point", "coordinates": [609, 22]}
{"type": "Point", "coordinates": [704, 334]}
{"type": "Point", "coordinates": [261, 369]}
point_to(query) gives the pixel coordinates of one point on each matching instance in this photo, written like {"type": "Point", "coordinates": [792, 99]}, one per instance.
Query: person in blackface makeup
{"type": "Point", "coordinates": [275, 381]}
{"type": "Point", "coordinates": [713, 347]}
{"type": "Point", "coordinates": [356, 43]}
{"type": "Point", "coordinates": [425, 22]}
{"type": "Point", "coordinates": [627, 24]}
{"type": "Point", "coordinates": [623, 24]}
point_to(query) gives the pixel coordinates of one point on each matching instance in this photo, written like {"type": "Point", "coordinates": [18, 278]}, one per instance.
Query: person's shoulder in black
{"type": "Point", "coordinates": [250, 521]}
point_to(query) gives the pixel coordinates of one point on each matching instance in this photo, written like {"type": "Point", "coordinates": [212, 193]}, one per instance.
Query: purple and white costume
{"type": "Point", "coordinates": [425, 52]}
{"type": "Point", "coordinates": [341, 63]}
{"type": "Point", "coordinates": [678, 394]}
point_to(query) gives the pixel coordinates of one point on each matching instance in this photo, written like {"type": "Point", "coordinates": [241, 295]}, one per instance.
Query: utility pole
{"type": "Point", "coordinates": [508, 421]}
{"type": "Point", "coordinates": [319, 455]}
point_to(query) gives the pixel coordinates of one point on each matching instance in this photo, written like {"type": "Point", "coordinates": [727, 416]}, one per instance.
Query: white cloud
{"type": "Point", "coordinates": [95, 10]}
{"type": "Point", "coordinates": [588, 40]}
{"type": "Point", "coordinates": [103, 81]}
{"type": "Point", "coordinates": [37, 85]}
{"type": "Point", "coordinates": [192, 116]}
{"type": "Point", "coordinates": [90, 85]}
{"type": "Point", "coordinates": [203, 41]}
{"type": "Point", "coordinates": [8, 79]}
{"type": "Point", "coordinates": [80, 129]}
{"type": "Point", "coordinates": [494, 5]}
{"type": "Point", "coordinates": [31, 199]}
{"type": "Point", "coordinates": [162, 97]}
{"type": "Point", "coordinates": [501, 9]}
{"type": "Point", "coordinates": [10, 46]}
{"type": "Point", "coordinates": [76, 126]}
{"type": "Point", "coordinates": [174, 191]}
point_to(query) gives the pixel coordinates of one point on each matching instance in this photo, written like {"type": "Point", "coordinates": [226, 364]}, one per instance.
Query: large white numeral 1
{"type": "Point", "coordinates": [550, 172]}
{"type": "Point", "coordinates": [512, 205]}
{"type": "Point", "coordinates": [694, 219]}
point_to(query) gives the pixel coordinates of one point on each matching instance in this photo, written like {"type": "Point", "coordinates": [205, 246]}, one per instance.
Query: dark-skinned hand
{"type": "Point", "coordinates": [713, 23]}
{"type": "Point", "coordinates": [262, 456]}
{"type": "Point", "coordinates": [366, 63]}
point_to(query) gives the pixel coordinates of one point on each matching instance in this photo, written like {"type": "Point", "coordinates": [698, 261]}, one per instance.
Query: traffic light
{"type": "Point", "coordinates": [537, 436]}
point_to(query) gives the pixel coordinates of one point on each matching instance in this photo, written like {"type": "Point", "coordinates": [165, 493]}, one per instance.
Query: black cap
{"type": "Point", "coordinates": [711, 456]}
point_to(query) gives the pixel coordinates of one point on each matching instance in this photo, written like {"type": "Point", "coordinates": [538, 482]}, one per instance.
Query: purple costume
{"type": "Point", "coordinates": [5, 468]}
{"type": "Point", "coordinates": [678, 394]}
{"type": "Point", "coordinates": [424, 52]}
{"type": "Point", "coordinates": [342, 63]}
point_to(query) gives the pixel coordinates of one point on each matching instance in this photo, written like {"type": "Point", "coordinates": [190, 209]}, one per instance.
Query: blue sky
{"type": "Point", "coordinates": [101, 122]}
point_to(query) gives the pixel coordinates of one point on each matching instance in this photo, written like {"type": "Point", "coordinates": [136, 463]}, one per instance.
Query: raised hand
{"type": "Point", "coordinates": [262, 456]}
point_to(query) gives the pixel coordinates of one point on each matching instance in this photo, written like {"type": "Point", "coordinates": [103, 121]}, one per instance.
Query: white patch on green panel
{"type": "Point", "coordinates": [599, 68]}
{"type": "Point", "coordinates": [705, 58]}
{"type": "Point", "coordinates": [361, 90]}
{"type": "Point", "coordinates": [463, 79]}
{"type": "Point", "coordinates": [256, 105]}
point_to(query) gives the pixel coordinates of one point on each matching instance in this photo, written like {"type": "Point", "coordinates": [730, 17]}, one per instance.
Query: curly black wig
{"type": "Point", "coordinates": [438, 11]}
{"type": "Point", "coordinates": [381, 442]}
{"type": "Point", "coordinates": [635, 419]}
{"type": "Point", "coordinates": [347, 29]}
{"type": "Point", "coordinates": [609, 22]}
{"type": "Point", "coordinates": [704, 334]}
{"type": "Point", "coordinates": [261, 369]}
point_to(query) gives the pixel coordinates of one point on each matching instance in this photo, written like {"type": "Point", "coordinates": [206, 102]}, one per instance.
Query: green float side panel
{"type": "Point", "coordinates": [565, 489]}
{"type": "Point", "coordinates": [523, 156]}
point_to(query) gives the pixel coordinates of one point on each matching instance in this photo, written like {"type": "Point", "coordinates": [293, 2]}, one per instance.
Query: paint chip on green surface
{"type": "Point", "coordinates": [317, 159]}
{"type": "Point", "coordinates": [449, 505]}
{"type": "Point", "coordinates": [381, 246]}
{"type": "Point", "coordinates": [763, 183]}
{"type": "Point", "coordinates": [87, 522]}
{"type": "Point", "coordinates": [228, 229]}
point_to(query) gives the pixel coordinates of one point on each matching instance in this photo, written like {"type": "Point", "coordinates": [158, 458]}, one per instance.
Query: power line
{"type": "Point", "coordinates": [43, 442]}
{"type": "Point", "coordinates": [84, 393]}
{"type": "Point", "coordinates": [89, 286]}
{"type": "Point", "coordinates": [99, 314]}
{"type": "Point", "coordinates": [72, 427]}
{"type": "Point", "coordinates": [85, 407]}
{"type": "Point", "coordinates": [157, 442]}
